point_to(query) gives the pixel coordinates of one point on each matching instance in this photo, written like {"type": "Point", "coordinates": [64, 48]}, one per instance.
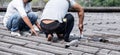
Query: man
{"type": "Point", "coordinates": [19, 17]}
{"type": "Point", "coordinates": [55, 18]}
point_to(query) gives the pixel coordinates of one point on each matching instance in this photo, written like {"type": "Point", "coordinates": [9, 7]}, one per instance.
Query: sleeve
{"type": "Point", "coordinates": [72, 2]}
{"type": "Point", "coordinates": [29, 5]}
{"type": "Point", "coordinates": [18, 4]}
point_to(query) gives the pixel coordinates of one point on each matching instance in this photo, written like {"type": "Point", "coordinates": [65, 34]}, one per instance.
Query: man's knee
{"type": "Point", "coordinates": [32, 16]}
{"type": "Point", "coordinates": [15, 16]}
{"type": "Point", "coordinates": [13, 19]}
{"type": "Point", "coordinates": [69, 17]}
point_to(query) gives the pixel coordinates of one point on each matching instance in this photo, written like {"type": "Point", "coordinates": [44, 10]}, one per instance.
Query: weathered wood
{"type": "Point", "coordinates": [86, 9]}
{"type": "Point", "coordinates": [102, 9]}
{"type": "Point", "coordinates": [3, 9]}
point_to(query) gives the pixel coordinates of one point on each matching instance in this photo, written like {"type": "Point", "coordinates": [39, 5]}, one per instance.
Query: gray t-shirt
{"type": "Point", "coordinates": [56, 9]}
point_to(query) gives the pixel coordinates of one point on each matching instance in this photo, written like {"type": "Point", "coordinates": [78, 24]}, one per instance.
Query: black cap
{"type": "Point", "coordinates": [29, 0]}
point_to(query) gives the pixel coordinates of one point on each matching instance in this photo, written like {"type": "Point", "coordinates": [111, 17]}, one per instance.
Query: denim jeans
{"type": "Point", "coordinates": [16, 22]}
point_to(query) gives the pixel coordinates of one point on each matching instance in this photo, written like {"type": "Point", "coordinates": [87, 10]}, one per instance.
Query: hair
{"type": "Point", "coordinates": [29, 0]}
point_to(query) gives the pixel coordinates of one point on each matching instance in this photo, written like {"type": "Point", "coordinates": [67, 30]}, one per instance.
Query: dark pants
{"type": "Point", "coordinates": [65, 28]}
{"type": "Point", "coordinates": [16, 22]}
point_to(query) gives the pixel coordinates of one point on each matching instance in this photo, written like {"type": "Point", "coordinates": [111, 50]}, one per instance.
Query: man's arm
{"type": "Point", "coordinates": [81, 16]}
{"type": "Point", "coordinates": [38, 25]}
{"type": "Point", "coordinates": [27, 21]}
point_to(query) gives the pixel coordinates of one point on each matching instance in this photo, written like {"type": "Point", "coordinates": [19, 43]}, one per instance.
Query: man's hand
{"type": "Point", "coordinates": [34, 32]}
{"type": "Point", "coordinates": [80, 28]}
{"type": "Point", "coordinates": [38, 26]}
{"type": "Point", "coordinates": [29, 24]}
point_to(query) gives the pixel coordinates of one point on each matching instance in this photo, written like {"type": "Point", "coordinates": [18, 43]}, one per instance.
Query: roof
{"type": "Point", "coordinates": [104, 25]}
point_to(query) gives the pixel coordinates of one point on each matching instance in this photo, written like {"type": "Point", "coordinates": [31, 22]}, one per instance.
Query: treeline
{"type": "Point", "coordinates": [99, 3]}
{"type": "Point", "coordinates": [85, 3]}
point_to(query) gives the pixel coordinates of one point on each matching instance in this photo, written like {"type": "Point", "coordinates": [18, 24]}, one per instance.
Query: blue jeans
{"type": "Point", "coordinates": [16, 22]}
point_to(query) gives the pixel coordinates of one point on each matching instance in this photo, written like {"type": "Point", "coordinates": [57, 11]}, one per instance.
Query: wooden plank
{"type": "Point", "coordinates": [15, 51]}
{"type": "Point", "coordinates": [102, 9]}
{"type": "Point", "coordinates": [86, 9]}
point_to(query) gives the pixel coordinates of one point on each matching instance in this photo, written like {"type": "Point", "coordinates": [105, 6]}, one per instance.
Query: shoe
{"type": "Point", "coordinates": [25, 33]}
{"type": "Point", "coordinates": [66, 40]}
{"type": "Point", "coordinates": [60, 36]}
{"type": "Point", "coordinates": [16, 33]}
